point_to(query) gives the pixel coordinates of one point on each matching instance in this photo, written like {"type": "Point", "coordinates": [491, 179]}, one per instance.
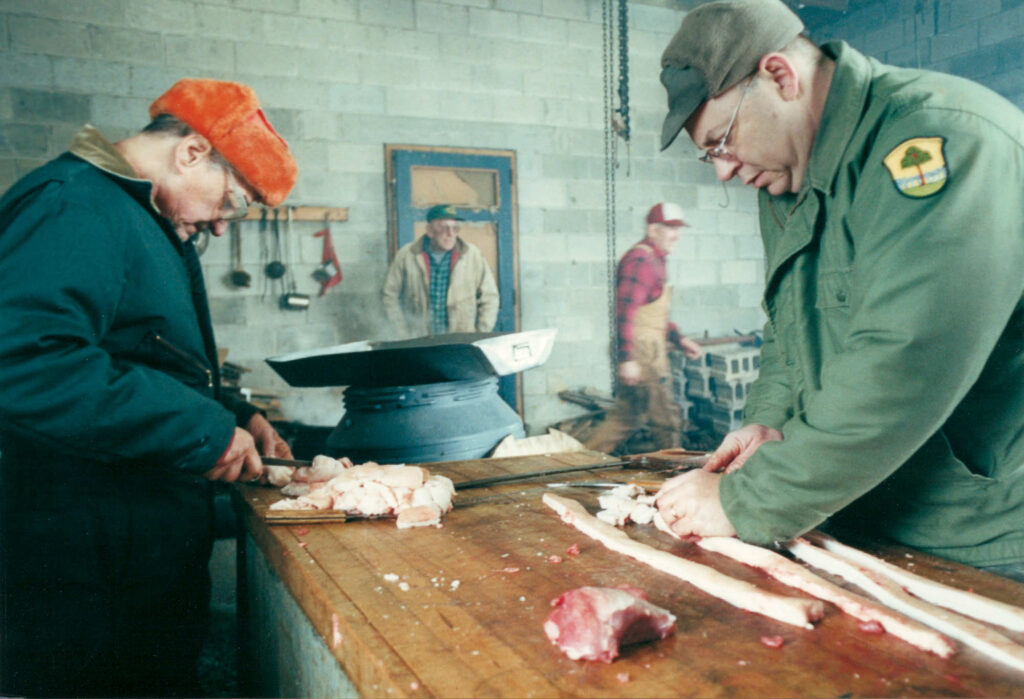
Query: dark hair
{"type": "Point", "coordinates": [173, 126]}
{"type": "Point", "coordinates": [168, 124]}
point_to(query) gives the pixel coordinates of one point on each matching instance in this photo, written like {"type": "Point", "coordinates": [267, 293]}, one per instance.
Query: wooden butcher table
{"type": "Point", "coordinates": [458, 611]}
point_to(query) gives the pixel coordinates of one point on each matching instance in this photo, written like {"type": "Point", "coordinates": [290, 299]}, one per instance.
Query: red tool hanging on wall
{"type": "Point", "coordinates": [329, 271]}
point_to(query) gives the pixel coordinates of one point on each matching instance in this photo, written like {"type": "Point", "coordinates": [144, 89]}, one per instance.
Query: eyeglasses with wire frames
{"type": "Point", "coordinates": [236, 202]}
{"type": "Point", "coordinates": [720, 151]}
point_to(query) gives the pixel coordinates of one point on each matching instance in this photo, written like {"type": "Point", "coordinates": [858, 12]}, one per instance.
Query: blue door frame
{"type": "Point", "coordinates": [501, 216]}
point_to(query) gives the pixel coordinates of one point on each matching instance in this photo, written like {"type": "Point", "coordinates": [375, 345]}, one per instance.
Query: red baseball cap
{"type": "Point", "coordinates": [666, 213]}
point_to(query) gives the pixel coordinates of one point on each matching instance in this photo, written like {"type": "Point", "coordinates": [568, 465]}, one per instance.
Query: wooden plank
{"type": "Point", "coordinates": [425, 634]}
{"type": "Point", "coordinates": [299, 213]}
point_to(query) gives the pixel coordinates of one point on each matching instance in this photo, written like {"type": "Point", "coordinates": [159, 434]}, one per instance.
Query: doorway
{"type": "Point", "coordinates": [480, 184]}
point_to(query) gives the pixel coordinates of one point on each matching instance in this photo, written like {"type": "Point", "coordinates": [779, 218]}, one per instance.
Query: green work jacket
{"type": "Point", "coordinates": [893, 360]}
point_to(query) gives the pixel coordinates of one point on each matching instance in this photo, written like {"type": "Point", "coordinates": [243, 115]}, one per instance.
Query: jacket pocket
{"type": "Point", "coordinates": [834, 289]}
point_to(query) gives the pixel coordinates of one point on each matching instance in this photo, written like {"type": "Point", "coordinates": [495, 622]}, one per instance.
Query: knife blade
{"type": "Point", "coordinates": [274, 461]}
{"type": "Point", "coordinates": [641, 462]}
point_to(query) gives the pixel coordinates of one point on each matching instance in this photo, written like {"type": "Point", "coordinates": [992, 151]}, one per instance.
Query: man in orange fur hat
{"type": "Point", "coordinates": [112, 426]}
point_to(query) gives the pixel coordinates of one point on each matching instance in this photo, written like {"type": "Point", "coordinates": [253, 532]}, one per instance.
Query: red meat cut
{"type": "Point", "coordinates": [592, 623]}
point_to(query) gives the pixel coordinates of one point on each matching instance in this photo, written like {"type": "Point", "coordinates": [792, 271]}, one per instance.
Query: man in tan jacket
{"type": "Point", "coordinates": [439, 283]}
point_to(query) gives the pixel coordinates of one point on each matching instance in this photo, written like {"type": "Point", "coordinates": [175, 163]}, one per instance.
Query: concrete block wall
{"type": "Point", "coordinates": [341, 78]}
{"type": "Point", "coordinates": [978, 39]}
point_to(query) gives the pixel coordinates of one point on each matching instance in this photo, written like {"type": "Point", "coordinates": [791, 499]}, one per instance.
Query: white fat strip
{"type": "Point", "coordinates": [963, 602]}
{"type": "Point", "coordinates": [795, 575]}
{"type": "Point", "coordinates": [279, 476]}
{"type": "Point", "coordinates": [623, 504]}
{"type": "Point", "coordinates": [967, 631]}
{"type": "Point", "coordinates": [322, 468]}
{"type": "Point", "coordinates": [295, 489]}
{"type": "Point", "coordinates": [616, 518]}
{"type": "Point", "coordinates": [373, 500]}
{"type": "Point", "coordinates": [320, 499]}
{"type": "Point", "coordinates": [642, 514]}
{"type": "Point", "coordinates": [437, 492]}
{"type": "Point", "coordinates": [291, 504]}
{"type": "Point", "coordinates": [790, 610]}
{"type": "Point", "coordinates": [418, 516]}
{"type": "Point", "coordinates": [616, 502]}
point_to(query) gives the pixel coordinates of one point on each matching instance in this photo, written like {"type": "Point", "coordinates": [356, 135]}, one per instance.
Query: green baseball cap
{"type": "Point", "coordinates": [717, 45]}
{"type": "Point", "coordinates": [442, 211]}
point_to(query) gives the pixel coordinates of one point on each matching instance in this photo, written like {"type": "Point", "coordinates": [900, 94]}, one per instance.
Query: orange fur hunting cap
{"type": "Point", "coordinates": [229, 116]}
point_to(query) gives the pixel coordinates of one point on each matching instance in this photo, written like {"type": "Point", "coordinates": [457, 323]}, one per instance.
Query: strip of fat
{"type": "Point", "coordinates": [967, 631]}
{"type": "Point", "coordinates": [795, 575]}
{"type": "Point", "coordinates": [791, 610]}
{"type": "Point", "coordinates": [962, 601]}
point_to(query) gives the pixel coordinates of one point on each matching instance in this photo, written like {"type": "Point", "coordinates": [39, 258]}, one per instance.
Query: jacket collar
{"type": "Point", "coordinates": [90, 146]}
{"type": "Point", "coordinates": [847, 94]}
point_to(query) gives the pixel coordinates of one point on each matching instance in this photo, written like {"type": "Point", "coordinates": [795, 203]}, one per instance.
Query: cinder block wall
{"type": "Point", "coordinates": [340, 78]}
{"type": "Point", "coordinates": [978, 39]}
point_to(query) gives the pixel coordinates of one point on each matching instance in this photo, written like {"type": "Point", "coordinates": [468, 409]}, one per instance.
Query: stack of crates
{"type": "Point", "coordinates": [677, 365]}
{"type": "Point", "coordinates": [731, 372]}
{"type": "Point", "coordinates": [697, 378]}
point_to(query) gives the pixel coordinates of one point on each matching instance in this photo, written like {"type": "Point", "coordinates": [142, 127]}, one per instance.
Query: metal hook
{"type": "Point", "coordinates": [726, 190]}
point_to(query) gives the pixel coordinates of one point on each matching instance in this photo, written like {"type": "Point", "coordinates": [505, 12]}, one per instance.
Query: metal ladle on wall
{"type": "Point", "coordinates": [275, 269]}
{"type": "Point", "coordinates": [239, 277]}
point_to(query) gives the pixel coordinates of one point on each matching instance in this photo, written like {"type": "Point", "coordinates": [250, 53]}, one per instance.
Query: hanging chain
{"type": "Point", "coordinates": [623, 109]}
{"type": "Point", "coordinates": [609, 179]}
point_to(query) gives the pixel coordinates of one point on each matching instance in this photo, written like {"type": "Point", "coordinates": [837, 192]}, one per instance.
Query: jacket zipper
{"type": "Point", "coordinates": [185, 357]}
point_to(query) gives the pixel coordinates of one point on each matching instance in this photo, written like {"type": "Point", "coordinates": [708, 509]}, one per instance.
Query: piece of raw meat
{"type": "Point", "coordinates": [592, 623]}
{"type": "Point", "coordinates": [370, 490]}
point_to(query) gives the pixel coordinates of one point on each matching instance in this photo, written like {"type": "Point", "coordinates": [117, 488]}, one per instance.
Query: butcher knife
{"type": "Point", "coordinates": [668, 461]}
{"type": "Point", "coordinates": [274, 461]}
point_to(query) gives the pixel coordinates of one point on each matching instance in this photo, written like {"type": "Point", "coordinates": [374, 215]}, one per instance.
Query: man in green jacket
{"type": "Point", "coordinates": [891, 393]}
{"type": "Point", "coordinates": [112, 426]}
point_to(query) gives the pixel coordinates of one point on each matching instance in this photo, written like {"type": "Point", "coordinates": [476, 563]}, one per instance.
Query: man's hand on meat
{"type": "Point", "coordinates": [629, 372]}
{"type": "Point", "coordinates": [689, 505]}
{"type": "Point", "coordinates": [240, 461]}
{"type": "Point", "coordinates": [267, 439]}
{"type": "Point", "coordinates": [739, 445]}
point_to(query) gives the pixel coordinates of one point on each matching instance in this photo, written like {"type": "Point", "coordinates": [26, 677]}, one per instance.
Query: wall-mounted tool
{"type": "Point", "coordinates": [276, 269]}
{"type": "Point", "coordinates": [239, 277]}
{"type": "Point", "coordinates": [292, 300]}
{"type": "Point", "coordinates": [329, 272]}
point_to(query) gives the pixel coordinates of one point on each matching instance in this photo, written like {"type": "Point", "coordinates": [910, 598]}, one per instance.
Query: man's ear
{"type": "Point", "coordinates": [780, 70]}
{"type": "Point", "coordinates": [192, 150]}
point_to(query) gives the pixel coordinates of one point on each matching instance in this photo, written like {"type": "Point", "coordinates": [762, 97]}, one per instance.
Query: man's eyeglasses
{"type": "Point", "coordinates": [720, 151]}
{"type": "Point", "coordinates": [236, 203]}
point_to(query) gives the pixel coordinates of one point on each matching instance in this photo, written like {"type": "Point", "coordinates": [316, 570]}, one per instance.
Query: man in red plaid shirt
{"type": "Point", "coordinates": [643, 302]}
